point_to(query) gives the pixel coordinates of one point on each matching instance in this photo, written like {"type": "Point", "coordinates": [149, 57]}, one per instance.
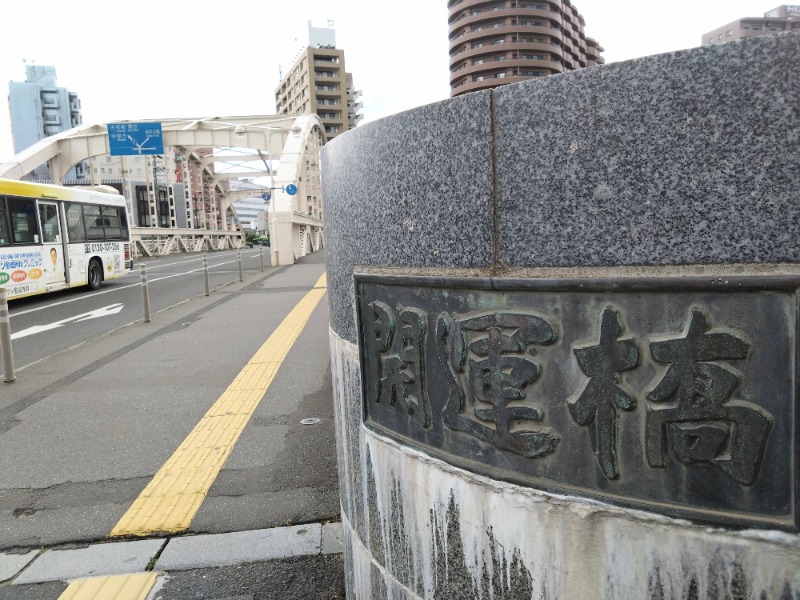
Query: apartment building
{"type": "Point", "coordinates": [39, 109]}
{"type": "Point", "coordinates": [496, 42]}
{"type": "Point", "coordinates": [777, 20]}
{"type": "Point", "coordinates": [318, 83]}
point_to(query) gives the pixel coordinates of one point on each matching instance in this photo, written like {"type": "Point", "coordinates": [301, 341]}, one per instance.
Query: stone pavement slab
{"type": "Point", "coordinates": [11, 564]}
{"type": "Point", "coordinates": [239, 547]}
{"type": "Point", "coordinates": [332, 538]}
{"type": "Point", "coordinates": [99, 559]}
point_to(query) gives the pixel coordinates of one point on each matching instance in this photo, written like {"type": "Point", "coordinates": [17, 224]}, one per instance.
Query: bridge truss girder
{"type": "Point", "coordinates": [246, 146]}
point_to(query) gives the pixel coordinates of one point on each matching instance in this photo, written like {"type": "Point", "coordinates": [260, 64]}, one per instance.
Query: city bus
{"type": "Point", "coordinates": [54, 237]}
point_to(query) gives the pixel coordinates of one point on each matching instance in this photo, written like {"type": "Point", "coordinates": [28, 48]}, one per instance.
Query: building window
{"type": "Point", "coordinates": [142, 206]}
{"type": "Point", "coordinates": [729, 33]}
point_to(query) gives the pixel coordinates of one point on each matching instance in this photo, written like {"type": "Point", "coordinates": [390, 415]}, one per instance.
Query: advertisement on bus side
{"type": "Point", "coordinates": [21, 271]}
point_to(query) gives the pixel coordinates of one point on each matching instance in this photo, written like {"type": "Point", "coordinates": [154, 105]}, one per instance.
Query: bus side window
{"type": "Point", "coordinates": [5, 237]}
{"type": "Point", "coordinates": [123, 223]}
{"type": "Point", "coordinates": [112, 222]}
{"type": "Point", "coordinates": [94, 222]}
{"type": "Point", "coordinates": [23, 221]}
{"type": "Point", "coordinates": [75, 228]}
{"type": "Point", "coordinates": [48, 219]}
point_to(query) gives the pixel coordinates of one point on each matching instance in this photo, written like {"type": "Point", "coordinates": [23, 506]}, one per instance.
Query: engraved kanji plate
{"type": "Point", "coordinates": [675, 395]}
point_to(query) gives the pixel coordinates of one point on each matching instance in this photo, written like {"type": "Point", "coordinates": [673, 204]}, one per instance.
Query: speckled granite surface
{"type": "Point", "coordinates": [688, 157]}
{"type": "Point", "coordinates": [414, 189]}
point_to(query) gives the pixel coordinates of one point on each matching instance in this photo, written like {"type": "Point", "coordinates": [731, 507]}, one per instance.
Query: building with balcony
{"type": "Point", "coordinates": [777, 20]}
{"type": "Point", "coordinates": [39, 109]}
{"type": "Point", "coordinates": [318, 83]}
{"type": "Point", "coordinates": [496, 42]}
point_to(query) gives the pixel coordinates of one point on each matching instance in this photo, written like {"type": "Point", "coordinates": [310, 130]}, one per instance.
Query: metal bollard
{"type": "Point", "coordinates": [5, 339]}
{"type": "Point", "coordinates": [261, 256]}
{"type": "Point", "coordinates": [145, 292]}
{"type": "Point", "coordinates": [205, 272]}
{"type": "Point", "coordinates": [239, 260]}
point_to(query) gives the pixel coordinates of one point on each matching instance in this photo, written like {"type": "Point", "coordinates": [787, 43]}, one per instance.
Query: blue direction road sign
{"type": "Point", "coordinates": [135, 139]}
{"type": "Point", "coordinates": [291, 189]}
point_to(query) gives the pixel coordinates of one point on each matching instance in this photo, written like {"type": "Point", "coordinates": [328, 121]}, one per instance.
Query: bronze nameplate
{"type": "Point", "coordinates": [672, 395]}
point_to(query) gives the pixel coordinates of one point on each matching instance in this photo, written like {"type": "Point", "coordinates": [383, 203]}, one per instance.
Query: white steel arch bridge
{"type": "Point", "coordinates": [210, 163]}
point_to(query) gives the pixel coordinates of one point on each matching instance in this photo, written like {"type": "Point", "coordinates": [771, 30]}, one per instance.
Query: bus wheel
{"type": "Point", "coordinates": [95, 274]}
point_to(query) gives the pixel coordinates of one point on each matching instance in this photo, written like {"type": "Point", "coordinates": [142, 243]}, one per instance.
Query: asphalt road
{"type": "Point", "coordinates": [100, 405]}
{"type": "Point", "coordinates": [46, 324]}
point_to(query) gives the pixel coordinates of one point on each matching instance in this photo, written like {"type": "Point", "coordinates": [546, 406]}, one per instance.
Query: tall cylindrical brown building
{"type": "Point", "coordinates": [495, 42]}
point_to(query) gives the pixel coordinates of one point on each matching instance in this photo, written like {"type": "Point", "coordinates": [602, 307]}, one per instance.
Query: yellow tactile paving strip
{"type": "Point", "coordinates": [173, 496]}
{"type": "Point", "coordinates": [134, 586]}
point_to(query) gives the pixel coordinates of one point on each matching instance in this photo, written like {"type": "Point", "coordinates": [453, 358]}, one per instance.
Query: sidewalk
{"type": "Point", "coordinates": [267, 526]}
{"type": "Point", "coordinates": [301, 561]}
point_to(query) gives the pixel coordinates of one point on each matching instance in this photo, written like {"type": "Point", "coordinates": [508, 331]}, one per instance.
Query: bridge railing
{"type": "Point", "coordinates": [158, 241]}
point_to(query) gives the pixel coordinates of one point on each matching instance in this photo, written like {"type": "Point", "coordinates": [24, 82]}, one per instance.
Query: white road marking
{"type": "Point", "coordinates": [111, 309]}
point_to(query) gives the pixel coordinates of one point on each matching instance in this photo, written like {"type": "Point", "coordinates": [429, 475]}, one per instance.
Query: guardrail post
{"type": "Point", "coordinates": [145, 292]}
{"type": "Point", "coordinates": [239, 260]}
{"type": "Point", "coordinates": [205, 271]}
{"type": "Point", "coordinates": [5, 339]}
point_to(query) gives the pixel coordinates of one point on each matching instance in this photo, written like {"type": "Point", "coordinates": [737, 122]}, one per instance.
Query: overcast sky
{"type": "Point", "coordinates": [164, 59]}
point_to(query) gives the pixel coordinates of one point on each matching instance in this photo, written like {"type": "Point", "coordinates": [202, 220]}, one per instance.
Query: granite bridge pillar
{"type": "Point", "coordinates": [564, 334]}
